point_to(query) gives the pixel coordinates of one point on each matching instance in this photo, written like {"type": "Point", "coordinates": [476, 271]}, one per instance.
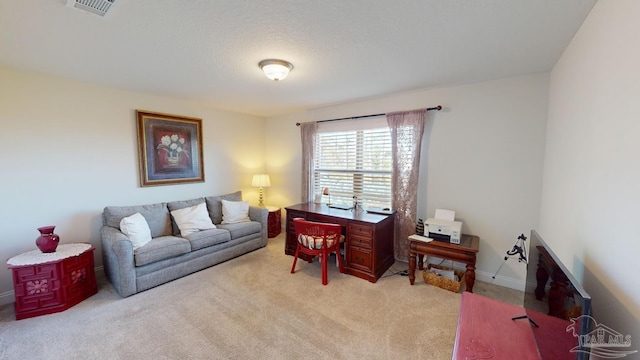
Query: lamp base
{"type": "Point", "coordinates": [261, 198]}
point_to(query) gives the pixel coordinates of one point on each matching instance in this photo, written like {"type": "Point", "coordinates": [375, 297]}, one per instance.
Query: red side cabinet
{"type": "Point", "coordinates": [274, 222]}
{"type": "Point", "coordinates": [52, 282]}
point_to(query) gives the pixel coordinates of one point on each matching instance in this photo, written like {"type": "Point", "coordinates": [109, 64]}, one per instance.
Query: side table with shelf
{"type": "Point", "coordinates": [465, 252]}
{"type": "Point", "coordinates": [46, 283]}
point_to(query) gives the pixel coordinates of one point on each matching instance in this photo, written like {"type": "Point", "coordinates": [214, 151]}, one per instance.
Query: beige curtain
{"type": "Point", "coordinates": [406, 129]}
{"type": "Point", "coordinates": [308, 136]}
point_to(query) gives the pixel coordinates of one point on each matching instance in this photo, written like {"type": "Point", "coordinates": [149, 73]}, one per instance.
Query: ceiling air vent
{"type": "Point", "coordinates": [98, 7]}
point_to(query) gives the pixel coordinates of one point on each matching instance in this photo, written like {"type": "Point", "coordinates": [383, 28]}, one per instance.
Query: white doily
{"type": "Point", "coordinates": [38, 257]}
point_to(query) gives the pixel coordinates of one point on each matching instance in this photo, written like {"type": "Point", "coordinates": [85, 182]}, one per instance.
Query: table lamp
{"type": "Point", "coordinates": [325, 191]}
{"type": "Point", "coordinates": [261, 181]}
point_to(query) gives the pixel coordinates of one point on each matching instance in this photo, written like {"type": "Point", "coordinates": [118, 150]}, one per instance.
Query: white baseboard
{"type": "Point", "coordinates": [500, 280]}
{"type": "Point", "coordinates": [8, 297]}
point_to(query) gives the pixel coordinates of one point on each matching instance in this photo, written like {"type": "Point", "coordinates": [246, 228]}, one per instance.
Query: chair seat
{"type": "Point", "coordinates": [316, 242]}
{"type": "Point", "coordinates": [318, 239]}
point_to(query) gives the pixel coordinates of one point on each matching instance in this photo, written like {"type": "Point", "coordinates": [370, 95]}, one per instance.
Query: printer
{"type": "Point", "coordinates": [443, 227]}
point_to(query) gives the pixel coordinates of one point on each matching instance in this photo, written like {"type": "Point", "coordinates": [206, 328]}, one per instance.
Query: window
{"type": "Point", "coordinates": [354, 163]}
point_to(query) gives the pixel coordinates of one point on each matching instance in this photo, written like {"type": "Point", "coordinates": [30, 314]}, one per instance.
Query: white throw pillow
{"type": "Point", "coordinates": [136, 229]}
{"type": "Point", "coordinates": [192, 219]}
{"type": "Point", "coordinates": [235, 211]}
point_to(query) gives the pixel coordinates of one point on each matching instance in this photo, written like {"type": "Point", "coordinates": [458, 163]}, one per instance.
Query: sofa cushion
{"type": "Point", "coordinates": [235, 211]}
{"type": "Point", "coordinates": [192, 219]}
{"type": "Point", "coordinates": [156, 215]}
{"type": "Point", "coordinates": [214, 205]}
{"type": "Point", "coordinates": [160, 248]}
{"type": "Point", "coordinates": [316, 242]}
{"type": "Point", "coordinates": [205, 238]}
{"type": "Point", "coordinates": [239, 230]}
{"type": "Point", "coordinates": [136, 229]}
{"type": "Point", "coordinates": [175, 205]}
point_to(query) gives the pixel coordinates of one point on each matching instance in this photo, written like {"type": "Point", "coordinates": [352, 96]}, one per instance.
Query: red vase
{"type": "Point", "coordinates": [47, 242]}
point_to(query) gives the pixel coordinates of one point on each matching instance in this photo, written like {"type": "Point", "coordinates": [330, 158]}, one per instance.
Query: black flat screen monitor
{"type": "Point", "coordinates": [557, 305]}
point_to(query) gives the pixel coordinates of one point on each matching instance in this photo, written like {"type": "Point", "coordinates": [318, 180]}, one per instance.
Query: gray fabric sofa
{"type": "Point", "coordinates": [169, 256]}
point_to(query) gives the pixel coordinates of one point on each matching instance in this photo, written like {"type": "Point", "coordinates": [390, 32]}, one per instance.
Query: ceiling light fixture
{"type": "Point", "coordinates": [275, 69]}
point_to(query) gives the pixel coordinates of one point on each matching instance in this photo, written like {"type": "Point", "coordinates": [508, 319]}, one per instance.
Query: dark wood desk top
{"type": "Point", "coordinates": [323, 209]}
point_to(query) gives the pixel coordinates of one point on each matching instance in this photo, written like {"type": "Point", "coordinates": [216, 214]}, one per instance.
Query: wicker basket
{"type": "Point", "coordinates": [442, 282]}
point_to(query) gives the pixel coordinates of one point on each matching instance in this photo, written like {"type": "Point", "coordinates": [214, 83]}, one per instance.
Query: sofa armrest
{"type": "Point", "coordinates": [261, 215]}
{"type": "Point", "coordinates": [119, 266]}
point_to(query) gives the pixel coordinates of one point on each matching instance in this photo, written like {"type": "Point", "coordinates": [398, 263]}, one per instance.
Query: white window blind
{"type": "Point", "coordinates": [354, 163]}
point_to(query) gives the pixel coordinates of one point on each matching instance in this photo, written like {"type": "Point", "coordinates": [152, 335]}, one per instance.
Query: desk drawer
{"type": "Point", "coordinates": [361, 230]}
{"type": "Point", "coordinates": [360, 235]}
{"type": "Point", "coordinates": [359, 258]}
{"type": "Point", "coordinates": [327, 219]}
{"type": "Point", "coordinates": [360, 241]}
{"type": "Point", "coordinates": [292, 215]}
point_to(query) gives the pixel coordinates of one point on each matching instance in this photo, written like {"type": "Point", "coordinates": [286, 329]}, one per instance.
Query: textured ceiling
{"type": "Point", "coordinates": [341, 50]}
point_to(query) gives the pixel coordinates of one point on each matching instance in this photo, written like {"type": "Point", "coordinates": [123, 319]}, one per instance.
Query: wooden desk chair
{"type": "Point", "coordinates": [318, 239]}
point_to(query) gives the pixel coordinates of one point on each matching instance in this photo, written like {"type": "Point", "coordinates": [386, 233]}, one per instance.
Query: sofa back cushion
{"type": "Point", "coordinates": [214, 205]}
{"type": "Point", "coordinates": [156, 215]}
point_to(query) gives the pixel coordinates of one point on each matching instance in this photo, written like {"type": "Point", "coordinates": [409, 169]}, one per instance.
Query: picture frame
{"type": "Point", "coordinates": [169, 149]}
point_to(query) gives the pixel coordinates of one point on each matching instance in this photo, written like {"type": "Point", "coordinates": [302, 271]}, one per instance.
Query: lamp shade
{"type": "Point", "coordinates": [261, 180]}
{"type": "Point", "coordinates": [275, 69]}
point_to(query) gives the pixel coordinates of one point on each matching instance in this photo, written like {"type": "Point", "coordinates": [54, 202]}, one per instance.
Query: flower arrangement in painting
{"type": "Point", "coordinates": [173, 148]}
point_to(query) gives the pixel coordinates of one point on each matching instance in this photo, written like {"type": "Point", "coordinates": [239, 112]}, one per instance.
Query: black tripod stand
{"type": "Point", "coordinates": [518, 248]}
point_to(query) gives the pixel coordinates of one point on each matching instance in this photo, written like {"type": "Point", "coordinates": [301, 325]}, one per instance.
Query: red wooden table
{"type": "Point", "coordinates": [273, 221]}
{"type": "Point", "coordinates": [46, 283]}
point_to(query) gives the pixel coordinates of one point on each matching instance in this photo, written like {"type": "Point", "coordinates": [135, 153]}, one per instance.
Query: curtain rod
{"type": "Point", "coordinates": [437, 108]}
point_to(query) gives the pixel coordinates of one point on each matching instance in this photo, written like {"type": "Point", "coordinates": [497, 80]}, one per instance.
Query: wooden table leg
{"type": "Point", "coordinates": [412, 266]}
{"type": "Point", "coordinates": [420, 262]}
{"type": "Point", "coordinates": [470, 277]}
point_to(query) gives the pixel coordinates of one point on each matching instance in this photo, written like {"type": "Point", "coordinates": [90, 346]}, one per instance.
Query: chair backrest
{"type": "Point", "coordinates": [316, 235]}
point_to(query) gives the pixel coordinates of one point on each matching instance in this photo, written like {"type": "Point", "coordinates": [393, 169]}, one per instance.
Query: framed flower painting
{"type": "Point", "coordinates": [169, 149]}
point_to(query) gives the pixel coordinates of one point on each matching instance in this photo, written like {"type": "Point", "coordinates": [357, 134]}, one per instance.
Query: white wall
{"type": "Point", "coordinates": [69, 149]}
{"type": "Point", "coordinates": [484, 159]}
{"type": "Point", "coordinates": [591, 186]}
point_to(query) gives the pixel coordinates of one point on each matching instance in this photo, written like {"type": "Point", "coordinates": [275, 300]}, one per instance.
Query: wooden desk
{"type": "Point", "coordinates": [368, 237]}
{"type": "Point", "coordinates": [464, 252]}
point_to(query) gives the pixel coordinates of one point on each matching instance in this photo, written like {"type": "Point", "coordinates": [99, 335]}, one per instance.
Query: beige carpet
{"type": "Point", "coordinates": [249, 307]}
